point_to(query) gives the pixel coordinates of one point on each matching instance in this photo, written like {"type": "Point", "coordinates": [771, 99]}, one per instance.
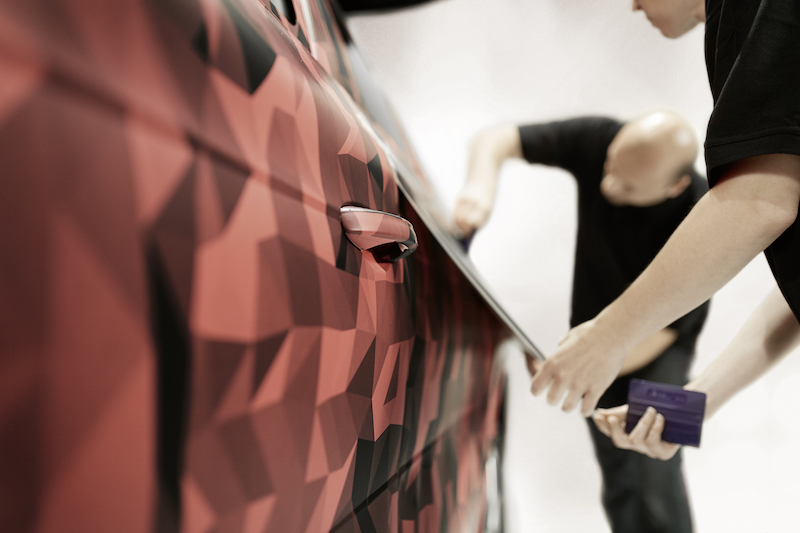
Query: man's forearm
{"type": "Point", "coordinates": [648, 350]}
{"type": "Point", "coordinates": [770, 333]}
{"type": "Point", "coordinates": [490, 148]}
{"type": "Point", "coordinates": [730, 225]}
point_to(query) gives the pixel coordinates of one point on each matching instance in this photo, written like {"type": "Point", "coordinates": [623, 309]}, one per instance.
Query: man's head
{"type": "Point", "coordinates": [673, 17]}
{"type": "Point", "coordinates": [649, 160]}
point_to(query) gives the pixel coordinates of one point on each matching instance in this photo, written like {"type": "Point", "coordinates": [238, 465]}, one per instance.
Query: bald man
{"type": "Point", "coordinates": [636, 184]}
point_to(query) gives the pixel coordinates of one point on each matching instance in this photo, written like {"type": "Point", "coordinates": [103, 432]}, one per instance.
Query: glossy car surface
{"type": "Point", "coordinates": [189, 340]}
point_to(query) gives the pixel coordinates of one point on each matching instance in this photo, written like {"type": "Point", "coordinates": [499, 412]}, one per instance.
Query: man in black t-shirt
{"type": "Point", "coordinates": [635, 185]}
{"type": "Point", "coordinates": [753, 159]}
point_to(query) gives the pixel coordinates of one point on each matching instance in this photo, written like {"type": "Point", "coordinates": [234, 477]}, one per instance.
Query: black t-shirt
{"type": "Point", "coordinates": [614, 243]}
{"type": "Point", "coordinates": [753, 61]}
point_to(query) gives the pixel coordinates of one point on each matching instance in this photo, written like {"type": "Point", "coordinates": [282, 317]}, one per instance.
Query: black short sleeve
{"type": "Point", "coordinates": [753, 60]}
{"type": "Point", "coordinates": [576, 145]}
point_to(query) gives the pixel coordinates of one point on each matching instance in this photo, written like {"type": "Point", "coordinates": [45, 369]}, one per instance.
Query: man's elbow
{"type": "Point", "coordinates": [499, 142]}
{"type": "Point", "coordinates": [778, 216]}
{"type": "Point", "coordinates": [770, 185]}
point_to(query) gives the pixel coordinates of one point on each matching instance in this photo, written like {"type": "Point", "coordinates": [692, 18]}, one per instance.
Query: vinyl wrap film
{"type": "Point", "coordinates": [188, 342]}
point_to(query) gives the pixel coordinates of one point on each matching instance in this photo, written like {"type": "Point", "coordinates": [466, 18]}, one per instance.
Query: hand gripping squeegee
{"type": "Point", "coordinates": [683, 410]}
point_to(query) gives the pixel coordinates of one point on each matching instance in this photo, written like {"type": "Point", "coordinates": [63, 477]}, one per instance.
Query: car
{"type": "Point", "coordinates": [231, 301]}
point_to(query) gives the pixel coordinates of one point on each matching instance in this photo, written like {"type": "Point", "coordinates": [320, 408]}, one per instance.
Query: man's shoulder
{"type": "Point", "coordinates": [600, 121]}
{"type": "Point", "coordinates": [600, 129]}
{"type": "Point", "coordinates": [578, 144]}
{"type": "Point", "coordinates": [588, 123]}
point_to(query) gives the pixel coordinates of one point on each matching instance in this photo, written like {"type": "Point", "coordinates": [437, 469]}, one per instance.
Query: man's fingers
{"type": "Point", "coordinates": [474, 221]}
{"type": "Point", "coordinates": [534, 364]}
{"type": "Point", "coordinates": [556, 392]}
{"type": "Point", "coordinates": [645, 438]}
{"type": "Point", "coordinates": [467, 215]}
{"type": "Point", "coordinates": [653, 438]}
{"type": "Point", "coordinates": [668, 451]}
{"type": "Point", "coordinates": [529, 362]}
{"type": "Point", "coordinates": [465, 223]}
{"type": "Point", "coordinates": [459, 216]}
{"type": "Point", "coordinates": [601, 422]}
{"type": "Point", "coordinates": [661, 450]}
{"type": "Point", "coordinates": [542, 379]}
{"type": "Point", "coordinates": [589, 404]}
{"type": "Point", "coordinates": [479, 216]}
{"type": "Point", "coordinates": [618, 436]}
{"type": "Point", "coordinates": [639, 433]}
{"type": "Point", "coordinates": [573, 398]}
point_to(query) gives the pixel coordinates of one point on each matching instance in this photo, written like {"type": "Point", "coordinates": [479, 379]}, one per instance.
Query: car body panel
{"type": "Point", "coordinates": [190, 342]}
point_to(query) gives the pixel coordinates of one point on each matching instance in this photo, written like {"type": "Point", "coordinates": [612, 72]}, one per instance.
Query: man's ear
{"type": "Point", "coordinates": [679, 186]}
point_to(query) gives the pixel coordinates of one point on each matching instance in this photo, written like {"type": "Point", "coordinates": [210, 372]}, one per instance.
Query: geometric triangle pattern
{"type": "Point", "coordinates": [188, 341]}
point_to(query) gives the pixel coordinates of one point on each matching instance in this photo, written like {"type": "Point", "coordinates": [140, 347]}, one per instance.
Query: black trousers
{"type": "Point", "coordinates": [640, 494]}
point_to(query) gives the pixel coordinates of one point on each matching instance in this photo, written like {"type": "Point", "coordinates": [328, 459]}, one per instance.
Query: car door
{"type": "Point", "coordinates": [349, 400]}
{"type": "Point", "coordinates": [434, 473]}
{"type": "Point", "coordinates": [191, 340]}
{"type": "Point", "coordinates": [293, 333]}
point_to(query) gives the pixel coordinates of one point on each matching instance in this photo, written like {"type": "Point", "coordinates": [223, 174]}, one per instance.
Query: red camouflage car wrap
{"type": "Point", "coordinates": [188, 341]}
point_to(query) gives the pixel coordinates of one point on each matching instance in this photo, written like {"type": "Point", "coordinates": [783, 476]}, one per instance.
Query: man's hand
{"type": "Point", "coordinates": [645, 438]}
{"type": "Point", "coordinates": [641, 355]}
{"type": "Point", "coordinates": [533, 364]}
{"type": "Point", "coordinates": [489, 149]}
{"type": "Point", "coordinates": [584, 366]}
{"type": "Point", "coordinates": [474, 204]}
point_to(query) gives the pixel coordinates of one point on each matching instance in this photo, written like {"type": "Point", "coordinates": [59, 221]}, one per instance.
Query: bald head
{"type": "Point", "coordinates": [649, 159]}
{"type": "Point", "coordinates": [660, 134]}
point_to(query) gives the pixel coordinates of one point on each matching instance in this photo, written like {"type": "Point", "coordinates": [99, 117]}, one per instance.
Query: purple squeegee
{"type": "Point", "coordinates": [683, 410]}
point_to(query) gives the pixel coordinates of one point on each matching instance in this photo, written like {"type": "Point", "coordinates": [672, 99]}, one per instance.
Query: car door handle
{"type": "Point", "coordinates": [388, 237]}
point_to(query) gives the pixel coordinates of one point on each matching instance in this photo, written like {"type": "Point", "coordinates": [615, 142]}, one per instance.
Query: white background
{"type": "Point", "coordinates": [455, 66]}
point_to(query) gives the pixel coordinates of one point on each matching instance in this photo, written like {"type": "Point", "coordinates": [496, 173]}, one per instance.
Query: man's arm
{"type": "Point", "coordinates": [646, 351]}
{"type": "Point", "coordinates": [489, 149]}
{"type": "Point", "coordinates": [755, 202]}
{"type": "Point", "coordinates": [641, 355]}
{"type": "Point", "coordinates": [567, 144]}
{"type": "Point", "coordinates": [770, 334]}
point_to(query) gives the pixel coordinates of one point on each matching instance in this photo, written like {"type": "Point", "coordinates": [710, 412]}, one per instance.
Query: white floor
{"type": "Point", "coordinates": [454, 66]}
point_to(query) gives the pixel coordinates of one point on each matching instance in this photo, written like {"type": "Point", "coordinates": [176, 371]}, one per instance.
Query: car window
{"type": "Point", "coordinates": [329, 49]}
{"type": "Point", "coordinates": [284, 11]}
{"type": "Point", "coordinates": [285, 8]}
